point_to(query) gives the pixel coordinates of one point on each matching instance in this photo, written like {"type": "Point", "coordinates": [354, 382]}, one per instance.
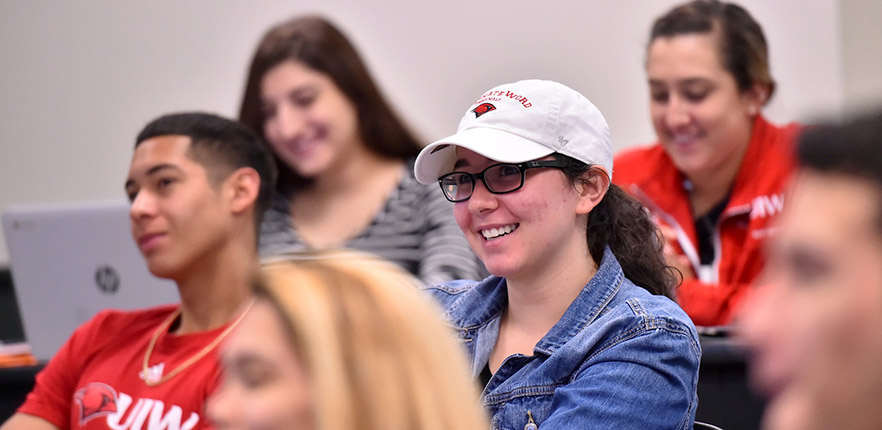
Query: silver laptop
{"type": "Point", "coordinates": [71, 260]}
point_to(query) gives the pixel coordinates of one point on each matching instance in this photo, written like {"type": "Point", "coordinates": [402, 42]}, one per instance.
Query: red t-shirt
{"type": "Point", "coordinates": [93, 381]}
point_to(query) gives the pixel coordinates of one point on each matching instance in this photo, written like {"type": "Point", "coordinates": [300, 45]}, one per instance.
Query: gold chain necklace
{"type": "Point", "coordinates": [153, 380]}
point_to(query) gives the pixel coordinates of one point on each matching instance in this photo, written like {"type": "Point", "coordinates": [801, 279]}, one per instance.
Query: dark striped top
{"type": "Point", "coordinates": [415, 229]}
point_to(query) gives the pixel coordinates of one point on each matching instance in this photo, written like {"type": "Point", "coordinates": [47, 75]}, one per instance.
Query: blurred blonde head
{"type": "Point", "coordinates": [375, 351]}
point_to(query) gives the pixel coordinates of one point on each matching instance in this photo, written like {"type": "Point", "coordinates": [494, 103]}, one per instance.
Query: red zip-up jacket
{"type": "Point", "coordinates": [649, 175]}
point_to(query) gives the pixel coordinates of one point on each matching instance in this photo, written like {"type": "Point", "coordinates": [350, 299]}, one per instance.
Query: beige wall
{"type": "Point", "coordinates": [861, 22]}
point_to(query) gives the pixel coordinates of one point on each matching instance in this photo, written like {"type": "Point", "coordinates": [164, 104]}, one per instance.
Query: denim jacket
{"type": "Point", "coordinates": [619, 358]}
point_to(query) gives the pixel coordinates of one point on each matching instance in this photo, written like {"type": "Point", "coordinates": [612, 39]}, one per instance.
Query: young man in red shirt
{"type": "Point", "coordinates": [198, 185]}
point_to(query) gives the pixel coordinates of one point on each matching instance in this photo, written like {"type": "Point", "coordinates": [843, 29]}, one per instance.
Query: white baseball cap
{"type": "Point", "coordinates": [523, 121]}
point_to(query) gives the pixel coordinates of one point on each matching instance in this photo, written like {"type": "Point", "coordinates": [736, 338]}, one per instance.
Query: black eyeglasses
{"type": "Point", "coordinates": [499, 179]}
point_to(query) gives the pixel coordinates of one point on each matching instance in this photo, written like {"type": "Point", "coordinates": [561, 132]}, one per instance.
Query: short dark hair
{"type": "Point", "coordinates": [742, 44]}
{"type": "Point", "coordinates": [318, 44]}
{"type": "Point", "coordinates": [851, 148]}
{"type": "Point", "coordinates": [221, 146]}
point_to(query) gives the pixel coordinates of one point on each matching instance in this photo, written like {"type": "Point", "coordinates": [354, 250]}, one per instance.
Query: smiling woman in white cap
{"type": "Point", "coordinates": [576, 328]}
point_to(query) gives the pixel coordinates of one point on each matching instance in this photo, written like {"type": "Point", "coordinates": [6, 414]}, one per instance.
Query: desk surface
{"type": "Point", "coordinates": [723, 351]}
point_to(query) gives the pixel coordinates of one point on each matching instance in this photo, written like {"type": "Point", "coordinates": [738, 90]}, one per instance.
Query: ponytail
{"type": "Point", "coordinates": [622, 223]}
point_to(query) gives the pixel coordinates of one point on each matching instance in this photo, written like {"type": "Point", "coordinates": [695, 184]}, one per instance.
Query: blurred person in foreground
{"type": "Point", "coordinates": [715, 179]}
{"type": "Point", "coordinates": [815, 327]}
{"type": "Point", "coordinates": [343, 340]}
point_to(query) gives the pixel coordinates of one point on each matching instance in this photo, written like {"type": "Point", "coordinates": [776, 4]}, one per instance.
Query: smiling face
{"type": "Point", "coordinates": [265, 384]}
{"type": "Point", "coordinates": [701, 118]}
{"type": "Point", "coordinates": [522, 233]}
{"type": "Point", "coordinates": [178, 217]}
{"type": "Point", "coordinates": [310, 124]}
{"type": "Point", "coordinates": [814, 327]}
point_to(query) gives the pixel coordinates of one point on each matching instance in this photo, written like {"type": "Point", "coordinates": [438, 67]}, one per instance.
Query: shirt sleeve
{"type": "Point", "coordinates": [646, 379]}
{"type": "Point", "coordinates": [52, 396]}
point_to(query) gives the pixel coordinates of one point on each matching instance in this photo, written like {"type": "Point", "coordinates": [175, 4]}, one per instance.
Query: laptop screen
{"type": "Point", "coordinates": [71, 260]}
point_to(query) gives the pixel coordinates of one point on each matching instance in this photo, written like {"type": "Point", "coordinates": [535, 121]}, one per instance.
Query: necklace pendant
{"type": "Point", "coordinates": [153, 375]}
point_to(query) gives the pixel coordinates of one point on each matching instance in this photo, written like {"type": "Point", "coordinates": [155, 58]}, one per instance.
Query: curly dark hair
{"type": "Point", "coordinates": [622, 223]}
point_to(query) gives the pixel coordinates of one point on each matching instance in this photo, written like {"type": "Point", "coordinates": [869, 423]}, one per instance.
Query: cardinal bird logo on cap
{"type": "Point", "coordinates": [95, 400]}
{"type": "Point", "coordinates": [483, 108]}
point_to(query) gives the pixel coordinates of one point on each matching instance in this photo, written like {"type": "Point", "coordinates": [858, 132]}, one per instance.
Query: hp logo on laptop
{"type": "Point", "coordinates": [107, 279]}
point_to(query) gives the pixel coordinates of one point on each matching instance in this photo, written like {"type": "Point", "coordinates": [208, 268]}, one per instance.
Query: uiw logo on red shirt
{"type": "Point", "coordinates": [97, 400]}
{"type": "Point", "coordinates": [766, 206]}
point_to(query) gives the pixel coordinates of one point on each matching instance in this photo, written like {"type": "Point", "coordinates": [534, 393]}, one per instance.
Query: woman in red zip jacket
{"type": "Point", "coordinates": [715, 178]}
